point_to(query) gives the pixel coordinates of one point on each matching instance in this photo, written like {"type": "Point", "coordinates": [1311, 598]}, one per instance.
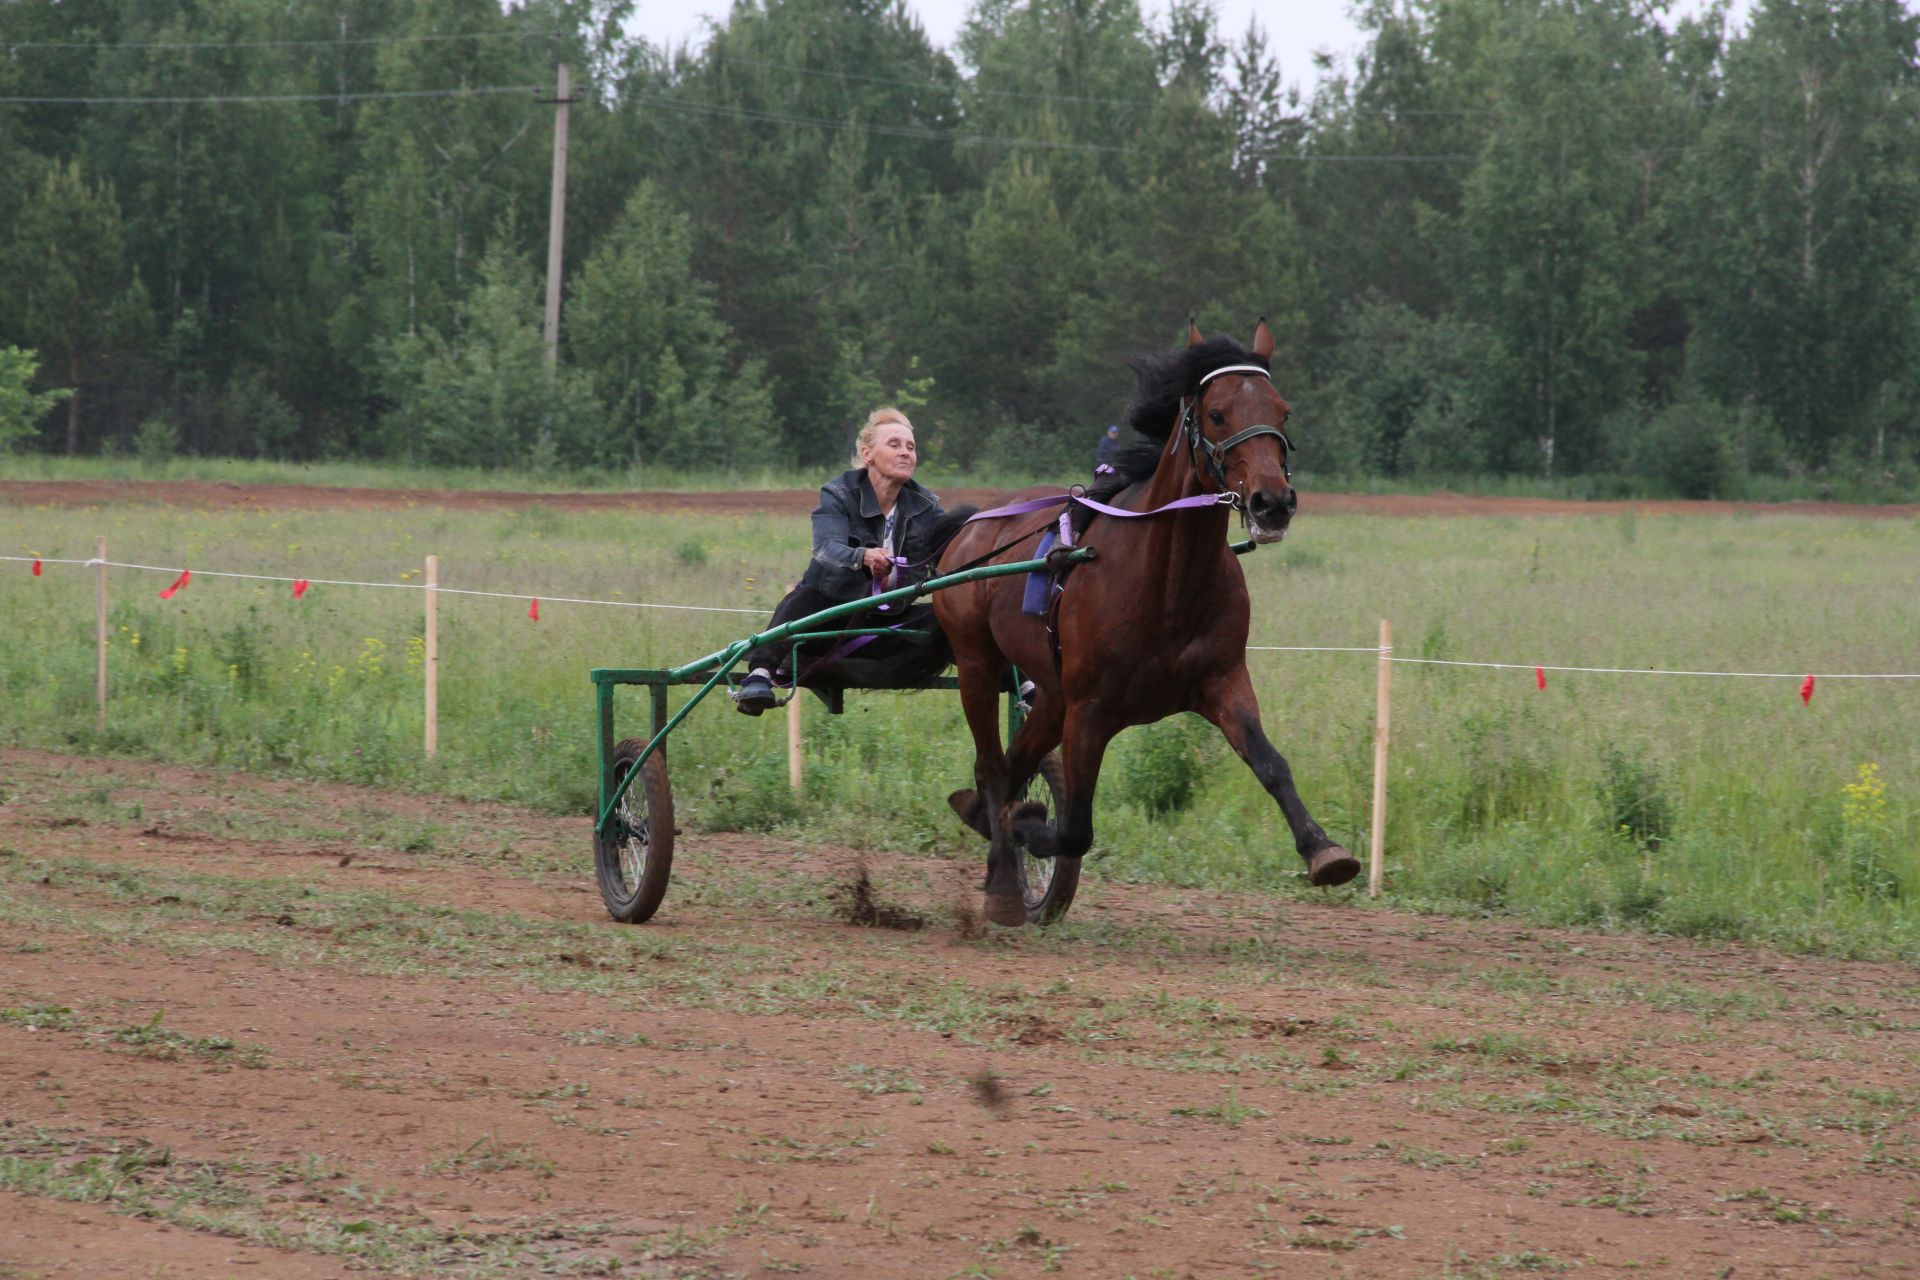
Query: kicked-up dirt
{"type": "Point", "coordinates": [253, 1026]}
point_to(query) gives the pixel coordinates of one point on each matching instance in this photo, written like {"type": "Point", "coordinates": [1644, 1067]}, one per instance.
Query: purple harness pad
{"type": "Point", "coordinates": [1034, 602]}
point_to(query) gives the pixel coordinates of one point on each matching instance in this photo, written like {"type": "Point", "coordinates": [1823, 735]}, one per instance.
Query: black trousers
{"type": "Point", "coordinates": [799, 602]}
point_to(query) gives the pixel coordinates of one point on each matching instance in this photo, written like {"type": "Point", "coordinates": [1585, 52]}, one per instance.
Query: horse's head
{"type": "Point", "coordinates": [1235, 430]}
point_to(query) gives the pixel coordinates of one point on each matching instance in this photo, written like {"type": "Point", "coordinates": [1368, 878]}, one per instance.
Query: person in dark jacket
{"type": "Point", "coordinates": [868, 519]}
{"type": "Point", "coordinates": [1108, 449]}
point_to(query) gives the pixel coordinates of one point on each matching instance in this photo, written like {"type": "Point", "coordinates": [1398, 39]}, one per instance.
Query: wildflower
{"type": "Point", "coordinates": [1863, 802]}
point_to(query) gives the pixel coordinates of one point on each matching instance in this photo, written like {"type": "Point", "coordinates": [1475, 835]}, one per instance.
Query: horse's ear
{"type": "Point", "coordinates": [1263, 340]}
{"type": "Point", "coordinates": [1193, 333]}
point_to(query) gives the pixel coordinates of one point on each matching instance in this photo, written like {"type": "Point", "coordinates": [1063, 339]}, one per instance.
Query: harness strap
{"type": "Point", "coordinates": [1080, 499]}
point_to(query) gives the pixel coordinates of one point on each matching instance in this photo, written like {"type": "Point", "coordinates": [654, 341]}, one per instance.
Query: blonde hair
{"type": "Point", "coordinates": [877, 419]}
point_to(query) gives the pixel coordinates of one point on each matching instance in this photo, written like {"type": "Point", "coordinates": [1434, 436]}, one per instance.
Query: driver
{"type": "Point", "coordinates": [867, 520]}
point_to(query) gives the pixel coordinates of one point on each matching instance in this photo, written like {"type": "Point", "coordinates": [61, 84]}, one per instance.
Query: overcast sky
{"type": "Point", "coordinates": [1295, 31]}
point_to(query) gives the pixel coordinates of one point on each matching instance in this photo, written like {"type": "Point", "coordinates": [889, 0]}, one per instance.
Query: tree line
{"type": "Point", "coordinates": [1529, 237]}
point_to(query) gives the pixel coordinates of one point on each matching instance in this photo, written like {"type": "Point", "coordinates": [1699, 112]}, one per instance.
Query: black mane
{"type": "Point", "coordinates": [1160, 382]}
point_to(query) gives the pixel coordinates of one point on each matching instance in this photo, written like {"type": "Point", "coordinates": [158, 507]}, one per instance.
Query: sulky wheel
{"type": "Point", "coordinates": [1048, 883]}
{"type": "Point", "coordinates": [635, 856]}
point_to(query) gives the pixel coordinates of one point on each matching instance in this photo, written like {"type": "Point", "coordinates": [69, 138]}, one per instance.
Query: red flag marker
{"type": "Point", "coordinates": [1540, 677]}
{"type": "Point", "coordinates": [533, 610]}
{"type": "Point", "coordinates": [186, 576]}
{"type": "Point", "coordinates": [299, 587]}
{"type": "Point", "coordinates": [1806, 691]}
{"type": "Point", "coordinates": [36, 566]}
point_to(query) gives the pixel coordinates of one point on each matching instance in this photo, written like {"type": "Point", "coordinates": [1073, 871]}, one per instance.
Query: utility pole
{"type": "Point", "coordinates": [557, 218]}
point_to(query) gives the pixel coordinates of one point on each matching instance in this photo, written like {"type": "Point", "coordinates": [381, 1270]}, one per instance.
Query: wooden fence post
{"type": "Point", "coordinates": [432, 656]}
{"type": "Point", "coordinates": [100, 635]}
{"type": "Point", "coordinates": [1382, 701]}
{"type": "Point", "coordinates": [794, 770]}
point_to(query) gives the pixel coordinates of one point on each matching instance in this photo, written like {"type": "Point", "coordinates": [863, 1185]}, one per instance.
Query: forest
{"type": "Point", "coordinates": [1555, 239]}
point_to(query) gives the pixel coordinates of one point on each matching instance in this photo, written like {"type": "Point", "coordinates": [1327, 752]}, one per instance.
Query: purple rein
{"type": "Point", "coordinates": [882, 584]}
{"type": "Point", "coordinates": [1069, 498]}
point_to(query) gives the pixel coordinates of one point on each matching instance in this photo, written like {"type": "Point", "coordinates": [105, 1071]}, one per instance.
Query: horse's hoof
{"type": "Point", "coordinates": [1008, 910]}
{"type": "Point", "coordinates": [1330, 866]}
{"type": "Point", "coordinates": [970, 809]}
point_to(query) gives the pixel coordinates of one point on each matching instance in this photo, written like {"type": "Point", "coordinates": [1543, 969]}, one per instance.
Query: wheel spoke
{"type": "Point", "coordinates": [633, 847]}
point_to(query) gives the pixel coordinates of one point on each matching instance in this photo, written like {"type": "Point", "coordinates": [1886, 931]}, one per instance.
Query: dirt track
{"type": "Point", "coordinates": [341, 1021]}
{"type": "Point", "coordinates": [268, 497]}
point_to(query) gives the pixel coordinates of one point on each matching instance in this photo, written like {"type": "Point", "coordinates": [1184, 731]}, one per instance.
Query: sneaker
{"type": "Point", "coordinates": [754, 695]}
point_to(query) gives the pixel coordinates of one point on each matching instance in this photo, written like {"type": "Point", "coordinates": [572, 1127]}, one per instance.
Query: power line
{"type": "Point", "coordinates": [287, 44]}
{"type": "Point", "coordinates": [912, 132]}
{"type": "Point", "coordinates": [477, 91]}
{"type": "Point", "coordinates": [921, 134]}
{"type": "Point", "coordinates": [970, 86]}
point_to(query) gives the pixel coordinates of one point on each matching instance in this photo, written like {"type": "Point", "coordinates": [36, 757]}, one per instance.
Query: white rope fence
{"type": "Point", "coordinates": [176, 570]}
{"type": "Point", "coordinates": [1383, 654]}
{"type": "Point", "coordinates": [1656, 671]}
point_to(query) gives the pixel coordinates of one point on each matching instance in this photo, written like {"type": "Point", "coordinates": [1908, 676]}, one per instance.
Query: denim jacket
{"type": "Point", "coordinates": [849, 520]}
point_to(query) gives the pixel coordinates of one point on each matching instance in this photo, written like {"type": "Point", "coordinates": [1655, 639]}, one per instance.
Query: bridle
{"type": "Point", "coordinates": [1198, 444]}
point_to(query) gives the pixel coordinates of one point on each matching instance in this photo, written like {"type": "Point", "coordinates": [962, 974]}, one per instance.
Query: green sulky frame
{"type": "Point", "coordinates": [715, 667]}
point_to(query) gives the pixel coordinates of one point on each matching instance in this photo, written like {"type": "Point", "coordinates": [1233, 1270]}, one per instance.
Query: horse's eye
{"type": "Point", "coordinates": [1219, 418]}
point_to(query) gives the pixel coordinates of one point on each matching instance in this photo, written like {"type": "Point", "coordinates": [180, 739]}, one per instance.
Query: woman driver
{"type": "Point", "coordinates": [867, 519]}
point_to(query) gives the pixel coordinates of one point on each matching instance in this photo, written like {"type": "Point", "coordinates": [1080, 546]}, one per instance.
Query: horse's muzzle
{"type": "Point", "coordinates": [1269, 513]}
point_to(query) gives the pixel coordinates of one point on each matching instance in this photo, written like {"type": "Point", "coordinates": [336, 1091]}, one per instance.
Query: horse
{"type": "Point", "coordinates": [1154, 625]}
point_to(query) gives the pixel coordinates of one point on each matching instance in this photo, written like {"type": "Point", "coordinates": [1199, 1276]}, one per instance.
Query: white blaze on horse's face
{"type": "Point", "coordinates": [892, 454]}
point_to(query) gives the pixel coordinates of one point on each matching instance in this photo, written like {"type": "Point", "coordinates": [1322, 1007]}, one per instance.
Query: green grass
{"type": "Point", "coordinates": [1719, 808]}
{"type": "Point", "coordinates": [1838, 484]}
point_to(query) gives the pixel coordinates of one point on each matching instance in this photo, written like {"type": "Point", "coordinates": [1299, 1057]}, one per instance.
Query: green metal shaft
{"type": "Point", "coordinates": [721, 661]}
{"type": "Point", "coordinates": [786, 629]}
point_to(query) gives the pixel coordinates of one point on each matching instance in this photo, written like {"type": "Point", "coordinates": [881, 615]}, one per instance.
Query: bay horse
{"type": "Point", "coordinates": [1155, 625]}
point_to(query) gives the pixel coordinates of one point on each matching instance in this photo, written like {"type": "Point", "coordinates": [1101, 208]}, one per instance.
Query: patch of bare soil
{"type": "Point", "coordinates": [218, 496]}
{"type": "Point", "coordinates": [320, 1029]}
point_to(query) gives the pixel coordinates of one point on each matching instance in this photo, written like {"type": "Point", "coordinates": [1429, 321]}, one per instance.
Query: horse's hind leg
{"type": "Point", "coordinates": [1038, 734]}
{"type": "Point", "coordinates": [1004, 903]}
{"type": "Point", "coordinates": [1231, 705]}
{"type": "Point", "coordinates": [970, 804]}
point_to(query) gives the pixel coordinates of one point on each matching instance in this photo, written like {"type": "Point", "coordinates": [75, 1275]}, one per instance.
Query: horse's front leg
{"type": "Point", "coordinates": [1083, 746]}
{"type": "Point", "coordinates": [1230, 703]}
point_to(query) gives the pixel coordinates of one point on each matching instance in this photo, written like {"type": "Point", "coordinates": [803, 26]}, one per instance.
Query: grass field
{"type": "Point", "coordinates": [1863, 485]}
{"type": "Point", "coordinates": [1715, 807]}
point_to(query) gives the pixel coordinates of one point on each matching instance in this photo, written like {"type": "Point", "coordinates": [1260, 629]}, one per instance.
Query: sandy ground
{"type": "Point", "coordinates": [399, 1035]}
